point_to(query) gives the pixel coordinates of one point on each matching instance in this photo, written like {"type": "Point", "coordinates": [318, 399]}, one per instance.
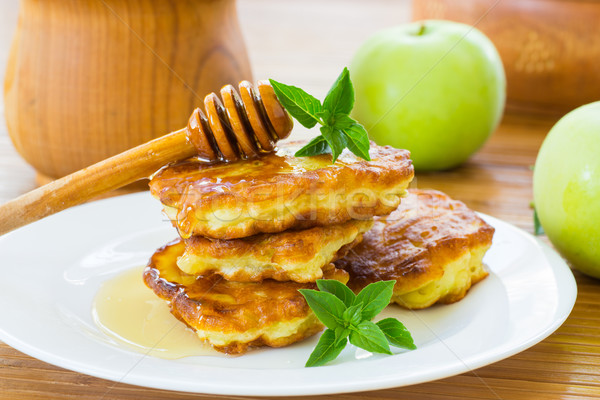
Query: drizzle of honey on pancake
{"type": "Point", "coordinates": [279, 191]}
{"type": "Point", "coordinates": [126, 310]}
{"type": "Point", "coordinates": [198, 178]}
{"type": "Point", "coordinates": [194, 179]}
{"type": "Point", "coordinates": [194, 171]}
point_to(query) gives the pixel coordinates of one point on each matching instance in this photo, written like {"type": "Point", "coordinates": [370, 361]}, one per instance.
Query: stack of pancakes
{"type": "Point", "coordinates": [253, 232]}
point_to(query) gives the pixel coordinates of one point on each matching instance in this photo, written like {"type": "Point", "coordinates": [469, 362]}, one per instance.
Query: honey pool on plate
{"type": "Point", "coordinates": [126, 310]}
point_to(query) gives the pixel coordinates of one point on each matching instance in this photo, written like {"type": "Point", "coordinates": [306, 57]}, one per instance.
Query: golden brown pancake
{"type": "Point", "coordinates": [297, 255]}
{"type": "Point", "coordinates": [279, 191]}
{"type": "Point", "coordinates": [233, 316]}
{"type": "Point", "coordinates": [431, 245]}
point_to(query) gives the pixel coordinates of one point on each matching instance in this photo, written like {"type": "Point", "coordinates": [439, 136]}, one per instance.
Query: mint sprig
{"type": "Point", "coordinates": [348, 318]}
{"type": "Point", "coordinates": [338, 129]}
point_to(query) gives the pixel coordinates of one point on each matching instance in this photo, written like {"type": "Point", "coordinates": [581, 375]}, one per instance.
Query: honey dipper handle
{"type": "Point", "coordinates": [78, 187]}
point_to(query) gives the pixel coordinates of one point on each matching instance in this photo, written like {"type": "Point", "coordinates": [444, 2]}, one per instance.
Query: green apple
{"type": "Point", "coordinates": [566, 187]}
{"type": "Point", "coordinates": [436, 88]}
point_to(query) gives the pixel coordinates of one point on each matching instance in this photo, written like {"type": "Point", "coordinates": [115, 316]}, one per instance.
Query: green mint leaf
{"type": "Point", "coordinates": [537, 226]}
{"type": "Point", "coordinates": [341, 333]}
{"type": "Point", "coordinates": [375, 297]}
{"type": "Point", "coordinates": [368, 336]}
{"type": "Point", "coordinates": [353, 315]}
{"type": "Point", "coordinates": [358, 140]}
{"type": "Point", "coordinates": [326, 350]}
{"type": "Point", "coordinates": [335, 139]}
{"type": "Point", "coordinates": [396, 333]}
{"type": "Point", "coordinates": [298, 103]}
{"type": "Point", "coordinates": [342, 121]}
{"type": "Point", "coordinates": [338, 289]}
{"type": "Point", "coordinates": [340, 98]}
{"type": "Point", "coordinates": [315, 147]}
{"type": "Point", "coordinates": [327, 307]}
{"type": "Point", "coordinates": [325, 116]}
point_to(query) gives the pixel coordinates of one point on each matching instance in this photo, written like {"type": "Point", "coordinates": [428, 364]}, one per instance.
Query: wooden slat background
{"type": "Point", "coordinates": [308, 43]}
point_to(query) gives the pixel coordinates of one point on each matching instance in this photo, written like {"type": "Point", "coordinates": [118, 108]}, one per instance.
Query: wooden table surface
{"type": "Point", "coordinates": [313, 40]}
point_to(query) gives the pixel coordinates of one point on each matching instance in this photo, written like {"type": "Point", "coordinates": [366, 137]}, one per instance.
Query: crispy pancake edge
{"type": "Point", "coordinates": [459, 276]}
{"type": "Point", "coordinates": [395, 248]}
{"type": "Point", "coordinates": [298, 255]}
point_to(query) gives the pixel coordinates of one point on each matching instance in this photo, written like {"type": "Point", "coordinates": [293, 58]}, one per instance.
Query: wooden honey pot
{"type": "Point", "coordinates": [88, 79]}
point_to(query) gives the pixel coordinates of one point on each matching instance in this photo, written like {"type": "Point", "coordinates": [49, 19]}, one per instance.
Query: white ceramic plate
{"type": "Point", "coordinates": [52, 269]}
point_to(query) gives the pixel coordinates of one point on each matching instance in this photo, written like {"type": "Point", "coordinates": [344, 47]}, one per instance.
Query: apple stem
{"type": "Point", "coordinates": [421, 30]}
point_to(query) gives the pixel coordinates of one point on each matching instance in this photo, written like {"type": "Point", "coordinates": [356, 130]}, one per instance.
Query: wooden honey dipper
{"type": "Point", "coordinates": [243, 126]}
